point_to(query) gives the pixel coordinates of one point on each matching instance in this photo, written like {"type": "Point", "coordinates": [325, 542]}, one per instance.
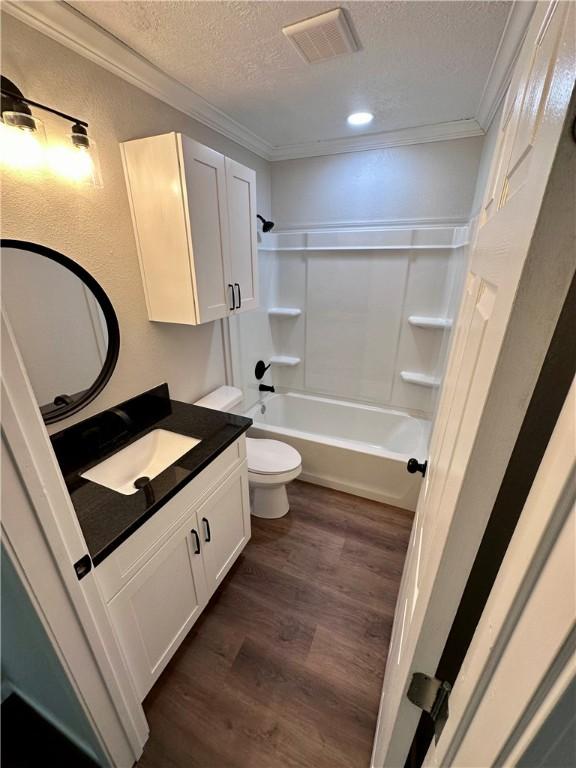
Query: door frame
{"type": "Point", "coordinates": [491, 658]}
{"type": "Point", "coordinates": [43, 539]}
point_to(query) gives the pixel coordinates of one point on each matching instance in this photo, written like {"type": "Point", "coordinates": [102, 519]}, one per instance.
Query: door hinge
{"type": "Point", "coordinates": [83, 566]}
{"type": "Point", "coordinates": [430, 695]}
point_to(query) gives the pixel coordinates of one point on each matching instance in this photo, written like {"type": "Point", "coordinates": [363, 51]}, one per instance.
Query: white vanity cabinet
{"type": "Point", "coordinates": [155, 610]}
{"type": "Point", "coordinates": [157, 582]}
{"type": "Point", "coordinates": [224, 532]}
{"type": "Point", "coordinates": [194, 217]}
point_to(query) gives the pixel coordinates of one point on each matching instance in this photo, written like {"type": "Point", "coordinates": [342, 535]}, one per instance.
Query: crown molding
{"type": "Point", "coordinates": [71, 28]}
{"type": "Point", "coordinates": [503, 65]}
{"type": "Point", "coordinates": [68, 27]}
{"type": "Point", "coordinates": [423, 134]}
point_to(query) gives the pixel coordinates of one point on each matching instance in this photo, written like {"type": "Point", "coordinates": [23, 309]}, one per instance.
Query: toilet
{"type": "Point", "coordinates": [271, 463]}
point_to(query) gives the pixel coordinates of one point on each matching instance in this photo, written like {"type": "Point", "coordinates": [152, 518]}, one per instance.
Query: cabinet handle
{"type": "Point", "coordinates": [207, 534]}
{"type": "Point", "coordinates": [196, 541]}
{"type": "Point", "coordinates": [239, 295]}
{"type": "Point", "coordinates": [233, 307]}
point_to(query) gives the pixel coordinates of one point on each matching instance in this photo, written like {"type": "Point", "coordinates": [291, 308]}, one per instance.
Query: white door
{"type": "Point", "coordinates": [513, 293]}
{"type": "Point", "coordinates": [153, 613]}
{"type": "Point", "coordinates": [204, 186]}
{"type": "Point", "coordinates": [519, 664]}
{"type": "Point", "coordinates": [241, 187]}
{"type": "Point", "coordinates": [224, 521]}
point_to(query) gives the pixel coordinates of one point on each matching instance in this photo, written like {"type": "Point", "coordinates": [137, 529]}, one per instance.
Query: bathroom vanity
{"type": "Point", "coordinates": [162, 549]}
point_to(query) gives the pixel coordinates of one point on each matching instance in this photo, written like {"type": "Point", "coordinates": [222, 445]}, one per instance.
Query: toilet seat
{"type": "Point", "coordinates": [271, 457]}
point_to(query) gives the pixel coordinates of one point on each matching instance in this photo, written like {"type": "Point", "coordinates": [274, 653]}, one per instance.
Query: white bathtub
{"type": "Point", "coordinates": [359, 449]}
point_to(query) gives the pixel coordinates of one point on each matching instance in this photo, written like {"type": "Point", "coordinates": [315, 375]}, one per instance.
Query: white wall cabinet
{"type": "Point", "coordinates": [194, 216]}
{"type": "Point", "coordinates": [158, 581]}
{"type": "Point", "coordinates": [241, 196]}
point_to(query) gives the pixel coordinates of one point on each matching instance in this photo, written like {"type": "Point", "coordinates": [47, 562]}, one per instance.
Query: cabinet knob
{"type": "Point", "coordinates": [414, 466]}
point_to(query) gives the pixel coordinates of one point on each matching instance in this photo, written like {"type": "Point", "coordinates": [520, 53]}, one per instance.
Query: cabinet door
{"type": "Point", "coordinates": [153, 177]}
{"type": "Point", "coordinates": [204, 182]}
{"type": "Point", "coordinates": [154, 611]}
{"type": "Point", "coordinates": [241, 187]}
{"type": "Point", "coordinates": [224, 520]}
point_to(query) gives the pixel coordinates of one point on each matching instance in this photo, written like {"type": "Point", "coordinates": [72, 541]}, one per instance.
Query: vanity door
{"type": "Point", "coordinates": [153, 613]}
{"type": "Point", "coordinates": [224, 521]}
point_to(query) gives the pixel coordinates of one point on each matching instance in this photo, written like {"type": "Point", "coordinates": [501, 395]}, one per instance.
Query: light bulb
{"type": "Point", "coordinates": [360, 118]}
{"type": "Point", "coordinates": [21, 143]}
{"type": "Point", "coordinates": [75, 163]}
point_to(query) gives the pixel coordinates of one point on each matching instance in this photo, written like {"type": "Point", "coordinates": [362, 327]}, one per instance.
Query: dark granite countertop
{"type": "Point", "coordinates": [106, 517]}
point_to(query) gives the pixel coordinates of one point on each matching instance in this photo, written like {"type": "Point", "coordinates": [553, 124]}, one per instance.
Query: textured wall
{"type": "Point", "coordinates": [412, 182]}
{"type": "Point", "coordinates": [94, 227]}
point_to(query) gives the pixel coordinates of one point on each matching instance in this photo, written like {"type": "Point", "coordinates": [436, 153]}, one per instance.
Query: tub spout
{"type": "Point", "coordinates": [266, 388]}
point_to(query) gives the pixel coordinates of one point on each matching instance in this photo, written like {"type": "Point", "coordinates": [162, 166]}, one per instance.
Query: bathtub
{"type": "Point", "coordinates": [360, 449]}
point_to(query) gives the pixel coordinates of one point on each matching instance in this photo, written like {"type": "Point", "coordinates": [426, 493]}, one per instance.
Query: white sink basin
{"type": "Point", "coordinates": [147, 457]}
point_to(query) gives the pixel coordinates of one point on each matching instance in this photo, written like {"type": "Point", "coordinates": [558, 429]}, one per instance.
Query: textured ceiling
{"type": "Point", "coordinates": [420, 63]}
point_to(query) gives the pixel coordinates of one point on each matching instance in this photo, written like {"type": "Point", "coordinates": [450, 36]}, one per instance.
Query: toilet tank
{"type": "Point", "coordinates": [222, 399]}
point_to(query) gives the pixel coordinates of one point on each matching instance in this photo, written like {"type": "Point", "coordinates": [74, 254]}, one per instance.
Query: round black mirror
{"type": "Point", "coordinates": [64, 324]}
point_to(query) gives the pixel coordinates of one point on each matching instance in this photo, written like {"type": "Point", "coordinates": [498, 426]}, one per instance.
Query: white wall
{"type": "Point", "coordinates": [250, 334]}
{"type": "Point", "coordinates": [353, 336]}
{"type": "Point", "coordinates": [419, 181]}
{"type": "Point", "coordinates": [93, 227]}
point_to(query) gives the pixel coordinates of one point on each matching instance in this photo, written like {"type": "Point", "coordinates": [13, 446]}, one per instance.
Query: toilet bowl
{"type": "Point", "coordinates": [271, 463]}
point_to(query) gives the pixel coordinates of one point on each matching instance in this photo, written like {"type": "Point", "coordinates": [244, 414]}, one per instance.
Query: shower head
{"type": "Point", "coordinates": [266, 225]}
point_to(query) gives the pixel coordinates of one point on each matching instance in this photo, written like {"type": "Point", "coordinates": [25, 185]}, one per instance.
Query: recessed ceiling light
{"type": "Point", "coordinates": [360, 118]}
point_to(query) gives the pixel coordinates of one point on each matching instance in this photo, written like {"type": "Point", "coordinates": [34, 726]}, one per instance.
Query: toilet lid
{"type": "Point", "coordinates": [271, 457]}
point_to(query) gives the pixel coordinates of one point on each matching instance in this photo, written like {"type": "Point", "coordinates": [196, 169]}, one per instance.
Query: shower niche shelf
{"type": "Point", "coordinates": [420, 379]}
{"type": "Point", "coordinates": [430, 322]}
{"type": "Point", "coordinates": [285, 360]}
{"type": "Point", "coordinates": [284, 311]}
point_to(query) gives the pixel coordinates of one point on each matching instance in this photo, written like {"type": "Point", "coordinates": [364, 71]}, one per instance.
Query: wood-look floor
{"type": "Point", "coordinates": [285, 666]}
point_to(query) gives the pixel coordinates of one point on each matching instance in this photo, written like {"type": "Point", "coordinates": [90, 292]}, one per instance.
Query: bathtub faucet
{"type": "Point", "coordinates": [265, 388]}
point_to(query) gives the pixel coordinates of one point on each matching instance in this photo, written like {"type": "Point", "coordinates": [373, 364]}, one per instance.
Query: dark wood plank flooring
{"type": "Point", "coordinates": [285, 666]}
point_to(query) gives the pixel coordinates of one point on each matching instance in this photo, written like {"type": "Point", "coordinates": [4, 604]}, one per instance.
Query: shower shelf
{"type": "Point", "coordinates": [285, 360]}
{"type": "Point", "coordinates": [421, 379]}
{"type": "Point", "coordinates": [430, 322]}
{"type": "Point", "coordinates": [284, 311]}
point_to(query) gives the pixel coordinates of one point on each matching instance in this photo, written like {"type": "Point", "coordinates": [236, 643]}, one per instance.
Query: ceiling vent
{"type": "Point", "coordinates": [322, 37]}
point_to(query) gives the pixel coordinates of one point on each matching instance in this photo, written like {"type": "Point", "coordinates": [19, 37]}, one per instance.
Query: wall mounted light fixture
{"type": "Point", "coordinates": [23, 140]}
